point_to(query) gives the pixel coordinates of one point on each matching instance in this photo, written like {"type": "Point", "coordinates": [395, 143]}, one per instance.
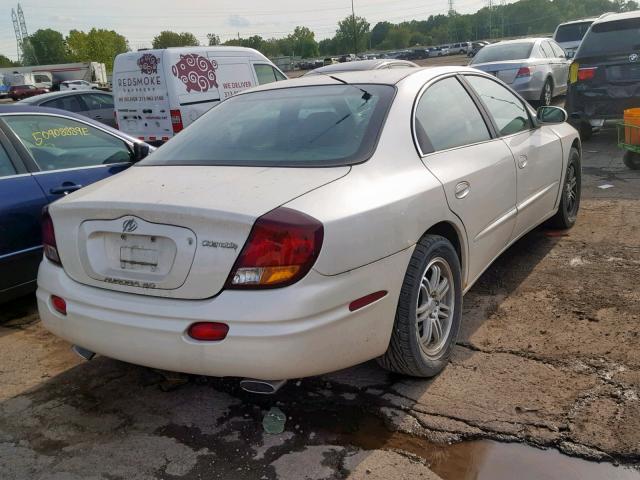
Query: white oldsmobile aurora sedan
{"type": "Point", "coordinates": [309, 225]}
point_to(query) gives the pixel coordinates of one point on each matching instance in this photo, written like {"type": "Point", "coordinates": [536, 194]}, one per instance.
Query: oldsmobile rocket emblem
{"type": "Point", "coordinates": [129, 225]}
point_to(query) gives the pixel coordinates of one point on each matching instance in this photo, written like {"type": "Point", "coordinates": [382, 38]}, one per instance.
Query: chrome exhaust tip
{"type": "Point", "coordinates": [261, 387]}
{"type": "Point", "coordinates": [83, 352]}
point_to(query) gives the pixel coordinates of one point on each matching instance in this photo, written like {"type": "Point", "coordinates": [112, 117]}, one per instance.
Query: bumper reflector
{"type": "Point", "coordinates": [59, 304]}
{"type": "Point", "coordinates": [366, 300]}
{"type": "Point", "coordinates": [208, 331]}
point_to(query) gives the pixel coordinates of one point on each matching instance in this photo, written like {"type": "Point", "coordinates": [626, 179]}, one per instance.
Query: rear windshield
{"type": "Point", "coordinates": [619, 36]}
{"type": "Point", "coordinates": [501, 53]}
{"type": "Point", "coordinates": [573, 32]}
{"type": "Point", "coordinates": [324, 125]}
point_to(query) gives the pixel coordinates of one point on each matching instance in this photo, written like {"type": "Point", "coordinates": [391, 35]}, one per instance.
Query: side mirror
{"type": "Point", "coordinates": [570, 54]}
{"type": "Point", "coordinates": [551, 115]}
{"type": "Point", "coordinates": [140, 151]}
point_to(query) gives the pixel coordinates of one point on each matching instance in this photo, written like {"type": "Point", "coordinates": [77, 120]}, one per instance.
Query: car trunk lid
{"type": "Point", "coordinates": [506, 71]}
{"type": "Point", "coordinates": [171, 231]}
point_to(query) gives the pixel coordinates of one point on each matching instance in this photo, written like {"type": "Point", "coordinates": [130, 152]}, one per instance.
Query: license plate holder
{"type": "Point", "coordinates": [140, 258]}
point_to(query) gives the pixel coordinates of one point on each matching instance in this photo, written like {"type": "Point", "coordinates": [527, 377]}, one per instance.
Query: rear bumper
{"type": "Point", "coordinates": [585, 104]}
{"type": "Point", "coordinates": [302, 330]}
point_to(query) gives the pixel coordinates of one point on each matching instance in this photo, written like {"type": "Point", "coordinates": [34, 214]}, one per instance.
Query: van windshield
{"type": "Point", "coordinates": [324, 125]}
{"type": "Point", "coordinates": [614, 37]}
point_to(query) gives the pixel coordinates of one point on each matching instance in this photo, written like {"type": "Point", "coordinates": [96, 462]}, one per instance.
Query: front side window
{"type": "Point", "coordinates": [265, 74]}
{"type": "Point", "coordinates": [57, 143]}
{"type": "Point", "coordinates": [446, 117]}
{"type": "Point", "coordinates": [6, 167]}
{"type": "Point", "coordinates": [557, 50]}
{"type": "Point", "coordinates": [547, 50]}
{"type": "Point", "coordinates": [97, 101]}
{"type": "Point", "coordinates": [306, 126]}
{"type": "Point", "coordinates": [507, 110]}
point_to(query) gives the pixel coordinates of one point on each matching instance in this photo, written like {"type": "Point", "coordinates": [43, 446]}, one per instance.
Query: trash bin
{"type": "Point", "coordinates": [631, 120]}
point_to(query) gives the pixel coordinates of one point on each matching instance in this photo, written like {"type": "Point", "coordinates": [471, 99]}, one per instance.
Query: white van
{"type": "Point", "coordinates": [569, 35]}
{"type": "Point", "coordinates": [157, 93]}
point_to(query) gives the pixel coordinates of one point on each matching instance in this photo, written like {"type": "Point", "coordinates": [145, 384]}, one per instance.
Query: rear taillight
{"type": "Point", "coordinates": [585, 74]}
{"type": "Point", "coordinates": [49, 238]}
{"type": "Point", "coordinates": [282, 247]}
{"type": "Point", "coordinates": [524, 72]}
{"type": "Point", "coordinates": [176, 121]}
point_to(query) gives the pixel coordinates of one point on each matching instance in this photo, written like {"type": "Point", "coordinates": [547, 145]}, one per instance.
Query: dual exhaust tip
{"type": "Point", "coordinates": [261, 387]}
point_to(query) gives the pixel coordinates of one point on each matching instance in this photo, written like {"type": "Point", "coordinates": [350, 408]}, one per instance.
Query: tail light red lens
{"type": "Point", "coordinates": [49, 238]}
{"type": "Point", "coordinates": [59, 304]}
{"type": "Point", "coordinates": [586, 73]}
{"type": "Point", "coordinates": [208, 331]}
{"type": "Point", "coordinates": [524, 72]}
{"type": "Point", "coordinates": [281, 249]}
{"type": "Point", "coordinates": [176, 121]}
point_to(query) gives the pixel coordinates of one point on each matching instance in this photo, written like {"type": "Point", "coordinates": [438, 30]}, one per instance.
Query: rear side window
{"type": "Point", "coordinates": [446, 117]}
{"type": "Point", "coordinates": [306, 126]}
{"type": "Point", "coordinates": [6, 167]}
{"type": "Point", "coordinates": [557, 50]}
{"type": "Point", "coordinates": [70, 103]}
{"type": "Point", "coordinates": [97, 101]}
{"type": "Point", "coordinates": [613, 37]}
{"type": "Point", "coordinates": [57, 143]}
{"type": "Point", "coordinates": [547, 50]}
{"type": "Point", "coordinates": [507, 110]}
{"type": "Point", "coordinates": [502, 53]}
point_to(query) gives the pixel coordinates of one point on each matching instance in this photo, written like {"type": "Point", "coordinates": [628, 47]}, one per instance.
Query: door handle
{"type": "Point", "coordinates": [65, 188]}
{"type": "Point", "coordinates": [462, 190]}
{"type": "Point", "coordinates": [522, 161]}
{"type": "Point", "coordinates": [98, 117]}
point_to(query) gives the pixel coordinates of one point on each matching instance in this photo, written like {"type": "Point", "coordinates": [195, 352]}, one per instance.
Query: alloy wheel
{"type": "Point", "coordinates": [548, 96]}
{"type": "Point", "coordinates": [434, 307]}
{"type": "Point", "coordinates": [571, 191]}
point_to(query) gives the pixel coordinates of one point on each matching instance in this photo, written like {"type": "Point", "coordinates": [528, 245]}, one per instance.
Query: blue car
{"type": "Point", "coordinates": [46, 154]}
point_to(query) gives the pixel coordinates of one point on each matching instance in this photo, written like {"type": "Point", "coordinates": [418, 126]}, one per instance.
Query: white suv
{"type": "Point", "coordinates": [78, 85]}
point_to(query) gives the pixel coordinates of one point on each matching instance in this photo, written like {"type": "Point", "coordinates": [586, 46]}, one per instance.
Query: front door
{"type": "Point", "coordinates": [67, 154]}
{"type": "Point", "coordinates": [477, 171]}
{"type": "Point", "coordinates": [536, 152]}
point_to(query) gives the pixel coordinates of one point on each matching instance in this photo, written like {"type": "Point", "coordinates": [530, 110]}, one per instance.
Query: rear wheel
{"type": "Point", "coordinates": [429, 311]}
{"type": "Point", "coordinates": [632, 160]}
{"type": "Point", "coordinates": [546, 97]}
{"type": "Point", "coordinates": [567, 213]}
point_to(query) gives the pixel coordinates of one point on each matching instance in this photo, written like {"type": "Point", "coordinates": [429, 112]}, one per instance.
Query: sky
{"type": "Point", "coordinates": [140, 20]}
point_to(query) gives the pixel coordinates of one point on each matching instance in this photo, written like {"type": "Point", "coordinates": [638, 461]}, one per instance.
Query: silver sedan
{"type": "Point", "coordinates": [536, 68]}
{"type": "Point", "coordinates": [309, 225]}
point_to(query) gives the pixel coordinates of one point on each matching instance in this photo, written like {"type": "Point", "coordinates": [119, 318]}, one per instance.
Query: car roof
{"type": "Point", "coordinates": [18, 108]}
{"type": "Point", "coordinates": [520, 40]}
{"type": "Point", "coordinates": [66, 93]}
{"type": "Point", "coordinates": [583, 20]}
{"type": "Point", "coordinates": [612, 17]}
{"type": "Point", "coordinates": [379, 77]}
{"type": "Point", "coordinates": [359, 65]}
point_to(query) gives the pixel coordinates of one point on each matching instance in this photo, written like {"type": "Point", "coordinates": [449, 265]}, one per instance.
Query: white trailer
{"type": "Point", "coordinates": [93, 72]}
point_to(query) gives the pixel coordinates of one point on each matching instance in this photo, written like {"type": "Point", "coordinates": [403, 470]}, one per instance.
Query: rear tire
{"type": "Point", "coordinates": [632, 160]}
{"type": "Point", "coordinates": [546, 96]}
{"type": "Point", "coordinates": [429, 311]}
{"type": "Point", "coordinates": [567, 213]}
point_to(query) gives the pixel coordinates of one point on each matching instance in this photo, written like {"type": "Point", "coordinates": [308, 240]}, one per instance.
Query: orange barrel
{"type": "Point", "coordinates": [632, 134]}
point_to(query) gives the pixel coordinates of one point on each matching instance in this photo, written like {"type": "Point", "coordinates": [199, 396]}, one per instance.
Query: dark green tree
{"type": "Point", "coordinates": [44, 47]}
{"type": "Point", "coordinates": [168, 39]}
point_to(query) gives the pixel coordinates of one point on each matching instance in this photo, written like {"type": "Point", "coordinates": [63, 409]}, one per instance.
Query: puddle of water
{"type": "Point", "coordinates": [473, 460]}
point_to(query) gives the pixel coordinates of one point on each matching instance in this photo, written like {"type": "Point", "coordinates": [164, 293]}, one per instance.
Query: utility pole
{"type": "Point", "coordinates": [16, 28]}
{"type": "Point", "coordinates": [490, 19]}
{"type": "Point", "coordinates": [355, 30]}
{"type": "Point", "coordinates": [452, 8]}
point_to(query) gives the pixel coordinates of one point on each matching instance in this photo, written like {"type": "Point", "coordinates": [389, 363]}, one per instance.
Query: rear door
{"type": "Point", "coordinates": [562, 77]}
{"type": "Point", "coordinates": [21, 202]}
{"type": "Point", "coordinates": [66, 154]}
{"type": "Point", "coordinates": [99, 106]}
{"type": "Point", "coordinates": [537, 151]}
{"type": "Point", "coordinates": [70, 103]}
{"type": "Point", "coordinates": [477, 171]}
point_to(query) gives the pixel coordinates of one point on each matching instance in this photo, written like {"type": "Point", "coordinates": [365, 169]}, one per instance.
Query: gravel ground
{"type": "Point", "coordinates": [548, 358]}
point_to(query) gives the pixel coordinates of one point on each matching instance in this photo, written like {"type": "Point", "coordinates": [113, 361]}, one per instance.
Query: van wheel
{"type": "Point", "coordinates": [632, 160]}
{"type": "Point", "coordinates": [429, 311]}
{"type": "Point", "coordinates": [567, 213]}
{"type": "Point", "coordinates": [546, 96]}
